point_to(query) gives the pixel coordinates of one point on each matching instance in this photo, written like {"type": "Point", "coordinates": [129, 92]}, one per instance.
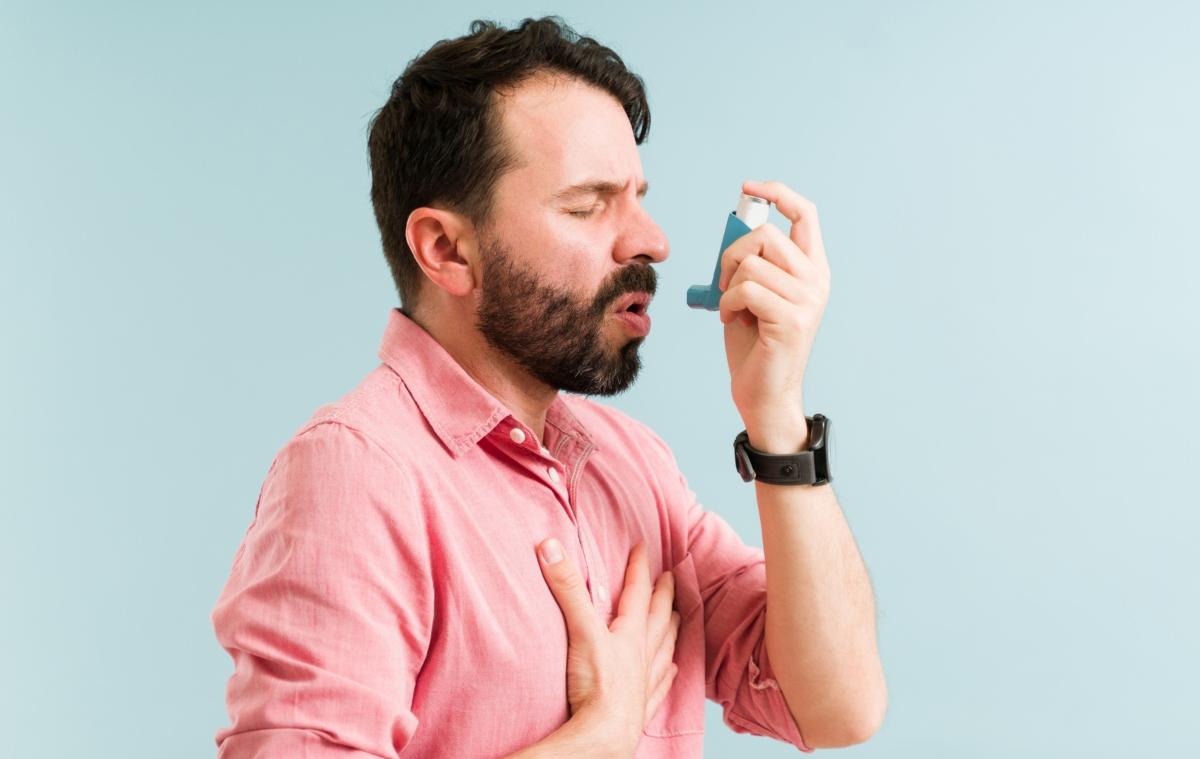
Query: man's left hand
{"type": "Point", "coordinates": [775, 290]}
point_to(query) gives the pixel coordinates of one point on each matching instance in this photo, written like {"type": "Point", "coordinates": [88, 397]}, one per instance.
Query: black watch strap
{"type": "Point", "coordinates": [809, 467]}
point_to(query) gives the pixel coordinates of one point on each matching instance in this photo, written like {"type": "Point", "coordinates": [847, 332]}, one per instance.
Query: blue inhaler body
{"type": "Point", "coordinates": [751, 213]}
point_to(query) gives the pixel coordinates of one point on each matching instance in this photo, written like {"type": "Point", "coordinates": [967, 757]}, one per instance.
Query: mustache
{"type": "Point", "coordinates": [639, 278]}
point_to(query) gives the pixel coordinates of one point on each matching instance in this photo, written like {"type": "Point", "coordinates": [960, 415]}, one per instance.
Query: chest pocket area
{"type": "Point", "coordinates": [682, 710]}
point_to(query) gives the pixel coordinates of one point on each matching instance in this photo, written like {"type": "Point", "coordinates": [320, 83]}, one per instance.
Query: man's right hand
{"type": "Point", "coordinates": [617, 676]}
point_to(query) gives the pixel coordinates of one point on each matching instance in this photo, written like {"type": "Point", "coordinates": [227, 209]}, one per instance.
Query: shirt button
{"type": "Point", "coordinates": [602, 593]}
{"type": "Point", "coordinates": [517, 435]}
{"type": "Point", "coordinates": [545, 451]}
{"type": "Point", "coordinates": [553, 474]}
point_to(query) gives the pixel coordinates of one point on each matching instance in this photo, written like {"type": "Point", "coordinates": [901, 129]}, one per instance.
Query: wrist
{"type": "Point", "coordinates": [781, 436]}
{"type": "Point", "coordinates": [591, 734]}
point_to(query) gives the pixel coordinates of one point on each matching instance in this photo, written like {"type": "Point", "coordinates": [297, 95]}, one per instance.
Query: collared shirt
{"type": "Point", "coordinates": [387, 599]}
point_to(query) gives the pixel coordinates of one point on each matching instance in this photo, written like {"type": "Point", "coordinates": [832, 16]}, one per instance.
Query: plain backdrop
{"type": "Point", "coordinates": [190, 267]}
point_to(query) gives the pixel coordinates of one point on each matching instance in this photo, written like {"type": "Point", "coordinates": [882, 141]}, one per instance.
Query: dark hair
{"type": "Point", "coordinates": [437, 138]}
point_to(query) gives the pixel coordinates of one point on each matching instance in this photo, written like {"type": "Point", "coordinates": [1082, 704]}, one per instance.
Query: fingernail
{"type": "Point", "coordinates": [551, 551]}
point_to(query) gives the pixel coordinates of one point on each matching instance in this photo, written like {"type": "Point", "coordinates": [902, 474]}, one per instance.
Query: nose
{"type": "Point", "coordinates": [642, 239]}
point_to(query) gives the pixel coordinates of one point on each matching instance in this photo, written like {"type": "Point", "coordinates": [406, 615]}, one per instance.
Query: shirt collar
{"type": "Point", "coordinates": [459, 409]}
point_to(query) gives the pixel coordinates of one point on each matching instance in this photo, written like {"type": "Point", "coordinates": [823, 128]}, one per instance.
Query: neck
{"type": "Point", "coordinates": [510, 383]}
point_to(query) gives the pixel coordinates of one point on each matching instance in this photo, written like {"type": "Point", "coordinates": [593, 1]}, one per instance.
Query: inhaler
{"type": "Point", "coordinates": [751, 213]}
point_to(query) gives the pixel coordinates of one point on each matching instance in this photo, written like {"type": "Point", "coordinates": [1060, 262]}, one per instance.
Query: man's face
{"type": "Point", "coordinates": [556, 261]}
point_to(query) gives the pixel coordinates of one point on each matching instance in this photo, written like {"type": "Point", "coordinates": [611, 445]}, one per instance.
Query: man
{"type": "Point", "coordinates": [418, 545]}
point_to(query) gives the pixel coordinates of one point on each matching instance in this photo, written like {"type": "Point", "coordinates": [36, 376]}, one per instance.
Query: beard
{"type": "Point", "coordinates": [553, 334]}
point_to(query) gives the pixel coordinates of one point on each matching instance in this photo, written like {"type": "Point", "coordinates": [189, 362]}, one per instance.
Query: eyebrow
{"type": "Point", "coordinates": [598, 187]}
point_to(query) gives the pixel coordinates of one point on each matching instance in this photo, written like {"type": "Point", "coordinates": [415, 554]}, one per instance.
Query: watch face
{"type": "Point", "coordinates": [827, 473]}
{"type": "Point", "coordinates": [829, 453]}
{"type": "Point", "coordinates": [818, 431]}
{"type": "Point", "coordinates": [740, 460]}
{"type": "Point", "coordinates": [822, 437]}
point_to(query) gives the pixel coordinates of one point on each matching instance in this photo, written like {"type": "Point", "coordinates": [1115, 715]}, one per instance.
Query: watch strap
{"type": "Point", "coordinates": [809, 467]}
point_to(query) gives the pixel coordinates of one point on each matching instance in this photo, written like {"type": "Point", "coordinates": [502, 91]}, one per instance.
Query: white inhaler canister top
{"type": "Point", "coordinates": [752, 210]}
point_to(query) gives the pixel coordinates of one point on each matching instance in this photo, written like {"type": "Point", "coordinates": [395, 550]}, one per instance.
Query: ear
{"type": "Point", "coordinates": [443, 242]}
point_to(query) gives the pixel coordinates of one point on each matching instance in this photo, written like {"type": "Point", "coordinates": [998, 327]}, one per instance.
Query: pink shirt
{"type": "Point", "coordinates": [387, 600]}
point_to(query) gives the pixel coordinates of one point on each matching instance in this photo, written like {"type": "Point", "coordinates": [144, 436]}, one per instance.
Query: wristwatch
{"type": "Point", "coordinates": [809, 467]}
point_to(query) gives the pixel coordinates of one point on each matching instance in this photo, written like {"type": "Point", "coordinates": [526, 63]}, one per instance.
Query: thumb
{"type": "Point", "coordinates": [567, 586]}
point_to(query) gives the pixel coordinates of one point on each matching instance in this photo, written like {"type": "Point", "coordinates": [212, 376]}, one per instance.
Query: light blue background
{"type": "Point", "coordinates": [1008, 197]}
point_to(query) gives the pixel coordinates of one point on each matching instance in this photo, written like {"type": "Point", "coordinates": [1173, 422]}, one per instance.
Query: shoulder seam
{"type": "Point", "coordinates": [366, 436]}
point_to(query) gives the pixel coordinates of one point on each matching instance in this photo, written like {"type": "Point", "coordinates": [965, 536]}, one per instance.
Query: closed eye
{"type": "Point", "coordinates": [583, 214]}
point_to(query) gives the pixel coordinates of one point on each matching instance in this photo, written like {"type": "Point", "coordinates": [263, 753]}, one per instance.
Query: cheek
{"type": "Point", "coordinates": [575, 262]}
{"type": "Point", "coordinates": [578, 275]}
{"type": "Point", "coordinates": [568, 252]}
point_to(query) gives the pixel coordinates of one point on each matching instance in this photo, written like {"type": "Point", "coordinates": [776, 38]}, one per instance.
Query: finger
{"type": "Point", "coordinates": [766, 306]}
{"type": "Point", "coordinates": [660, 693]}
{"type": "Point", "coordinates": [659, 617]}
{"type": "Point", "coordinates": [769, 242]}
{"type": "Point", "coordinates": [800, 211]}
{"type": "Point", "coordinates": [665, 653]}
{"type": "Point", "coordinates": [662, 601]}
{"type": "Point", "coordinates": [760, 270]}
{"type": "Point", "coordinates": [635, 596]}
{"type": "Point", "coordinates": [568, 588]}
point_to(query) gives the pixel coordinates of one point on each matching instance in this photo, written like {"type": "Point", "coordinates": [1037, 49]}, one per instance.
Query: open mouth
{"type": "Point", "coordinates": [633, 310]}
{"type": "Point", "coordinates": [633, 303]}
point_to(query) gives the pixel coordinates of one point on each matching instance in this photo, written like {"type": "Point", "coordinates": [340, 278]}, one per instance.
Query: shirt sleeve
{"type": "Point", "coordinates": [733, 588]}
{"type": "Point", "coordinates": [732, 577]}
{"type": "Point", "coordinates": [328, 609]}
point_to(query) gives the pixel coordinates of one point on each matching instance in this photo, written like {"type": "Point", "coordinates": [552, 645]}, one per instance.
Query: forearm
{"type": "Point", "coordinates": [820, 625]}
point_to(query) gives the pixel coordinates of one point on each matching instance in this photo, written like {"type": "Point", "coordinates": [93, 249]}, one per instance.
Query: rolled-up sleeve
{"type": "Point", "coordinates": [733, 588]}
{"type": "Point", "coordinates": [732, 578]}
{"type": "Point", "coordinates": [328, 609]}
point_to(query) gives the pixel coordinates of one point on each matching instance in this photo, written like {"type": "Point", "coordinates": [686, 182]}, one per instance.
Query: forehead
{"type": "Point", "coordinates": [563, 130]}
